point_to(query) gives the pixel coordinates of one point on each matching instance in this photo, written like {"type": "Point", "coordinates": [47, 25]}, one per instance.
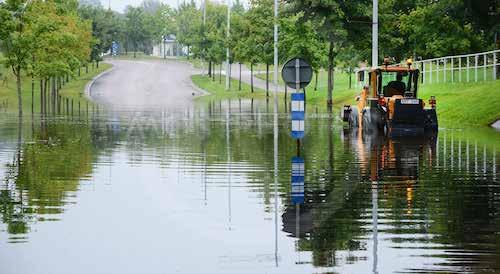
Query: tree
{"type": "Point", "coordinates": [107, 26]}
{"type": "Point", "coordinates": [261, 22]}
{"type": "Point", "coordinates": [298, 38]}
{"type": "Point", "coordinates": [335, 23]}
{"type": "Point", "coordinates": [433, 31]}
{"type": "Point", "coordinates": [136, 27]}
{"type": "Point", "coordinates": [189, 25]}
{"type": "Point", "coordinates": [238, 34]}
{"type": "Point", "coordinates": [15, 42]}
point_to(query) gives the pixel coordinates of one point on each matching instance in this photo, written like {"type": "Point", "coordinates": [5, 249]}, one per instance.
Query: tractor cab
{"type": "Point", "coordinates": [390, 101]}
{"type": "Point", "coordinates": [397, 82]}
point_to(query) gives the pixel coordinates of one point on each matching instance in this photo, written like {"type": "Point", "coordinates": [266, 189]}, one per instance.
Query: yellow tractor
{"type": "Point", "coordinates": [390, 103]}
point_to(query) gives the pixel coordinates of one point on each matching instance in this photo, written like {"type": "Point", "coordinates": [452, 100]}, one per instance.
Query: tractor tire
{"type": "Point", "coordinates": [353, 118]}
{"type": "Point", "coordinates": [373, 120]}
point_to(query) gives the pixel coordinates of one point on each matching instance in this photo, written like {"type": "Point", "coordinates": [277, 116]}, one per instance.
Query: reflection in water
{"type": "Point", "coordinates": [219, 182]}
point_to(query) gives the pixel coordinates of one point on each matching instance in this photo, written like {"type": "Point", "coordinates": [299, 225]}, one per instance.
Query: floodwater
{"type": "Point", "coordinates": [196, 191]}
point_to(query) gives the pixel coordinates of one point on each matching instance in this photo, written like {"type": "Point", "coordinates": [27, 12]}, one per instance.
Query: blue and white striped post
{"type": "Point", "coordinates": [298, 115]}
{"type": "Point", "coordinates": [298, 173]}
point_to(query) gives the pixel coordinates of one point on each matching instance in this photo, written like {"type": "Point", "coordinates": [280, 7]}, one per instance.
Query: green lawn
{"type": "Point", "coordinates": [74, 89]}
{"type": "Point", "coordinates": [218, 91]}
{"type": "Point", "coordinates": [465, 103]}
{"type": "Point", "coordinates": [471, 104]}
{"type": "Point", "coordinates": [130, 56]}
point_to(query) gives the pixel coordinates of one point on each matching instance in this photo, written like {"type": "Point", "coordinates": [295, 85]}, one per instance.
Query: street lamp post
{"type": "Point", "coordinates": [227, 36]}
{"type": "Point", "coordinates": [204, 7]}
{"type": "Point", "coordinates": [375, 34]}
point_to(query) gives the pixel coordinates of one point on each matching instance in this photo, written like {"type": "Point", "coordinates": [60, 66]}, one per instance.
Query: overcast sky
{"type": "Point", "coordinates": [119, 5]}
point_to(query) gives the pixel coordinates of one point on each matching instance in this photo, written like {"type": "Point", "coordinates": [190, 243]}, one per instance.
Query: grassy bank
{"type": "Point", "coordinates": [218, 90]}
{"type": "Point", "coordinates": [473, 103]}
{"type": "Point", "coordinates": [74, 89]}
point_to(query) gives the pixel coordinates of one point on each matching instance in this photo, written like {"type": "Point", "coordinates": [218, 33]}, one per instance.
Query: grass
{"type": "Point", "coordinates": [458, 104]}
{"type": "Point", "coordinates": [130, 56]}
{"type": "Point", "coordinates": [342, 94]}
{"type": "Point", "coordinates": [465, 103]}
{"type": "Point", "coordinates": [218, 90]}
{"type": "Point", "coordinates": [74, 89]}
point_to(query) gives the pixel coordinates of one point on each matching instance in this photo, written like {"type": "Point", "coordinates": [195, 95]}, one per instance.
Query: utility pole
{"type": "Point", "coordinates": [275, 131]}
{"type": "Point", "coordinates": [375, 34]}
{"type": "Point", "coordinates": [227, 36]}
{"type": "Point", "coordinates": [204, 33]}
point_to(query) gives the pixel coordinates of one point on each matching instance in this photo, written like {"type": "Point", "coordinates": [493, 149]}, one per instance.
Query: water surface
{"type": "Point", "coordinates": [195, 191]}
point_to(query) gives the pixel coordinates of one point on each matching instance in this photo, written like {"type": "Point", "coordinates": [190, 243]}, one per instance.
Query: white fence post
{"type": "Point", "coordinates": [484, 66]}
{"type": "Point", "coordinates": [468, 68]}
{"type": "Point", "coordinates": [437, 70]}
{"type": "Point", "coordinates": [444, 70]}
{"type": "Point", "coordinates": [475, 67]}
{"type": "Point", "coordinates": [430, 72]}
{"type": "Point", "coordinates": [460, 69]}
{"type": "Point", "coordinates": [423, 72]}
{"type": "Point", "coordinates": [452, 70]}
{"type": "Point", "coordinates": [494, 65]}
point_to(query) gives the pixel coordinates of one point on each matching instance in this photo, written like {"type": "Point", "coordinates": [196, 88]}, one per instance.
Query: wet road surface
{"type": "Point", "coordinates": [151, 84]}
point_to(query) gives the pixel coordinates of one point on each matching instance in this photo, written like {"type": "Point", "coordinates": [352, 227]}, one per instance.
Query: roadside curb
{"type": "Point", "coordinates": [89, 85]}
{"type": "Point", "coordinates": [195, 87]}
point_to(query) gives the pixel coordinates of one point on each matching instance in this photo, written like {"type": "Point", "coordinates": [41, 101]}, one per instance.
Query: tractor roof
{"type": "Point", "coordinates": [394, 69]}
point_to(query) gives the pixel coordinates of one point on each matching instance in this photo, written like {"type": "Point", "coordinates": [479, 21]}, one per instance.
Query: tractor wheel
{"type": "Point", "coordinates": [353, 118]}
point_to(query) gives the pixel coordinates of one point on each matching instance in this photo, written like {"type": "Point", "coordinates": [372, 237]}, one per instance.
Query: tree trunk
{"type": "Point", "coordinates": [97, 63]}
{"type": "Point", "coordinates": [239, 85]}
{"type": "Point", "coordinates": [188, 52]}
{"type": "Point", "coordinates": [135, 49]}
{"type": "Point", "coordinates": [350, 80]}
{"type": "Point", "coordinates": [19, 90]}
{"type": "Point", "coordinates": [267, 79]}
{"type": "Point", "coordinates": [41, 94]}
{"type": "Point", "coordinates": [209, 69]}
{"type": "Point", "coordinates": [230, 73]}
{"type": "Point", "coordinates": [316, 81]}
{"type": "Point", "coordinates": [79, 72]}
{"type": "Point", "coordinates": [32, 93]}
{"type": "Point", "coordinates": [86, 68]}
{"type": "Point", "coordinates": [54, 92]}
{"type": "Point", "coordinates": [329, 102]}
{"type": "Point", "coordinates": [251, 77]}
{"type": "Point", "coordinates": [45, 91]}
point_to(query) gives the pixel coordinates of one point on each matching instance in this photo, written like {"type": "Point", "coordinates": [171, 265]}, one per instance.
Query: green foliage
{"type": "Point", "coordinates": [107, 26]}
{"type": "Point", "coordinates": [299, 38]}
{"type": "Point", "coordinates": [42, 38]}
{"type": "Point", "coordinates": [189, 25]}
{"type": "Point", "coordinates": [136, 26]}
{"type": "Point", "coordinates": [432, 31]}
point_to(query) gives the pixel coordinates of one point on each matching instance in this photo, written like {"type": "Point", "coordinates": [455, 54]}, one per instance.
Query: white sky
{"type": "Point", "coordinates": [119, 5]}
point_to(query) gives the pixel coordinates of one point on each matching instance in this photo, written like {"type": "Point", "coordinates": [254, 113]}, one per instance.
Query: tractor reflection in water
{"type": "Point", "coordinates": [326, 220]}
{"type": "Point", "coordinates": [390, 104]}
{"type": "Point", "coordinates": [392, 159]}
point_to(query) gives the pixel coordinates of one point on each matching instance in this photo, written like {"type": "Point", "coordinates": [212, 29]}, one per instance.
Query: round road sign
{"type": "Point", "coordinates": [297, 68]}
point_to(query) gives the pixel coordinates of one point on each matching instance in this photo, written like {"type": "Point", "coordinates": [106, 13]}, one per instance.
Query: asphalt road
{"type": "Point", "coordinates": [146, 85]}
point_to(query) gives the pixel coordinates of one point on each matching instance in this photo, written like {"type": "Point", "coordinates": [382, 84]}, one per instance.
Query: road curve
{"type": "Point", "coordinates": [146, 85]}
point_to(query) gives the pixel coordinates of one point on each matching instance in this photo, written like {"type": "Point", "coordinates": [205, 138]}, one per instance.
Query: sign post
{"type": "Point", "coordinates": [114, 48]}
{"type": "Point", "coordinates": [297, 74]}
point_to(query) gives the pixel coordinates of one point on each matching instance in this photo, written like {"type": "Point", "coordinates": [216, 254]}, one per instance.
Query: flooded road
{"type": "Point", "coordinates": [194, 191]}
